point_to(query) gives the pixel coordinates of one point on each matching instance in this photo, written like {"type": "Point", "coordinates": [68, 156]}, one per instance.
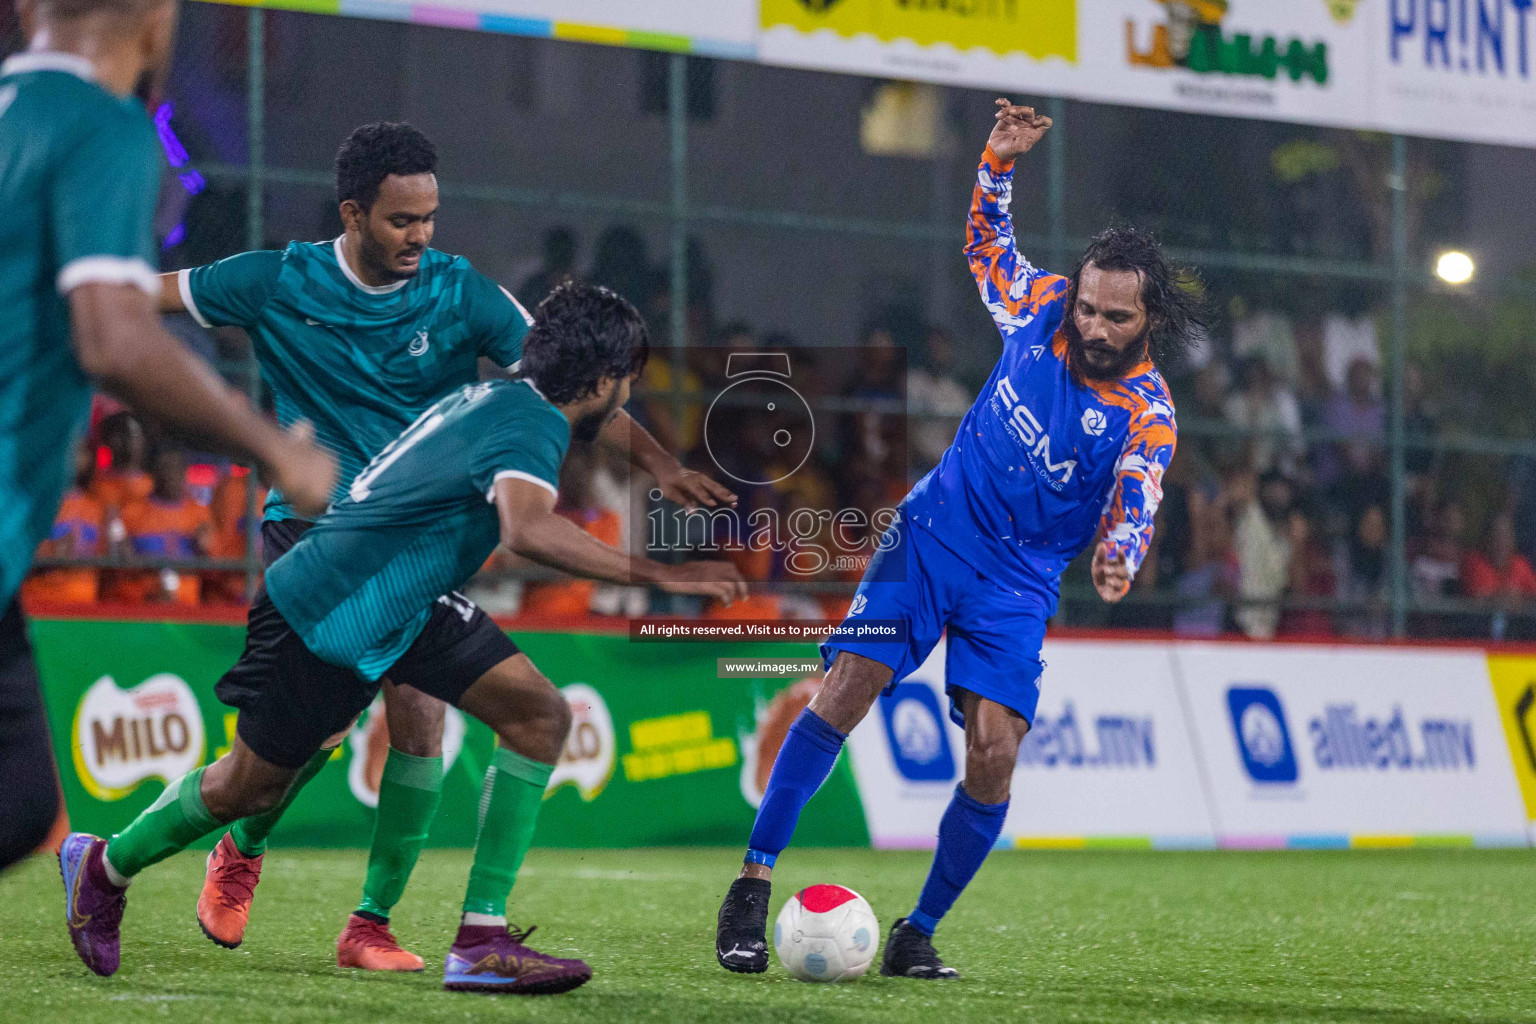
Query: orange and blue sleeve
{"type": "Point", "coordinates": [1138, 489]}
{"type": "Point", "coordinates": [1014, 290]}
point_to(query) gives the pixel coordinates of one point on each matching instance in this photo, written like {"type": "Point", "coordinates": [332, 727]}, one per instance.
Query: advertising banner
{"type": "Point", "coordinates": [716, 28]}
{"type": "Point", "coordinates": [661, 751]}
{"type": "Point", "coordinates": [1458, 69]}
{"type": "Point", "coordinates": [1514, 690]}
{"type": "Point", "coordinates": [1109, 761]}
{"type": "Point", "coordinates": [1028, 43]}
{"type": "Point", "coordinates": [1462, 69]}
{"type": "Point", "coordinates": [1307, 61]}
{"type": "Point", "coordinates": [1339, 746]}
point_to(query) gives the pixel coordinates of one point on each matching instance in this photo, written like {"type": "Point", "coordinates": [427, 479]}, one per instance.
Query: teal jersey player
{"type": "Point", "coordinates": [360, 362]}
{"type": "Point", "coordinates": [418, 522]}
{"type": "Point", "coordinates": [79, 172]}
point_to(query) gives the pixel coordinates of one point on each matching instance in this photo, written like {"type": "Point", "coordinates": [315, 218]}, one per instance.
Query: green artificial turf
{"type": "Point", "coordinates": [1382, 937]}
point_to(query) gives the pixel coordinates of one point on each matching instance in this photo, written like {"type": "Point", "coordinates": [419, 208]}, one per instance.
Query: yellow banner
{"type": "Point", "coordinates": [1038, 28]}
{"type": "Point", "coordinates": [1514, 687]}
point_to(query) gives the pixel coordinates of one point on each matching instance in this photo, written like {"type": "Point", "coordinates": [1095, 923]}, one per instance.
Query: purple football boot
{"type": "Point", "coordinates": [93, 906]}
{"type": "Point", "coordinates": [490, 958]}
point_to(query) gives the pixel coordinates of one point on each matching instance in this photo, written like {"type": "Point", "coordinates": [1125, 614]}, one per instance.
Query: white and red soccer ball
{"type": "Point", "coordinates": [826, 933]}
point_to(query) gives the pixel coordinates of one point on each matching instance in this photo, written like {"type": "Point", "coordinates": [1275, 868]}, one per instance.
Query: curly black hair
{"type": "Point", "coordinates": [1172, 295]}
{"type": "Point", "coordinates": [375, 151]}
{"type": "Point", "coordinates": [582, 335]}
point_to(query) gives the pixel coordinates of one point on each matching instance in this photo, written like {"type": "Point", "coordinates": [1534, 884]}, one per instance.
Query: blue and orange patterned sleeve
{"type": "Point", "coordinates": [1138, 487]}
{"type": "Point", "coordinates": [1014, 290]}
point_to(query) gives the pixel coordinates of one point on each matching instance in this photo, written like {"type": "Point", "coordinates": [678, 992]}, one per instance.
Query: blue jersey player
{"type": "Point", "coordinates": [1065, 448]}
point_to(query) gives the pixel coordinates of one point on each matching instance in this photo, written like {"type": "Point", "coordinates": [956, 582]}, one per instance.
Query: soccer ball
{"type": "Point", "coordinates": [826, 933]}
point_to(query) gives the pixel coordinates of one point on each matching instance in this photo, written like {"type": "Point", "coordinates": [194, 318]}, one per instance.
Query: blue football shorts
{"type": "Point", "coordinates": [994, 633]}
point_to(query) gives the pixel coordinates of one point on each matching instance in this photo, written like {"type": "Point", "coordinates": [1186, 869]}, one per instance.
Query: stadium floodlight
{"type": "Point", "coordinates": [1454, 267]}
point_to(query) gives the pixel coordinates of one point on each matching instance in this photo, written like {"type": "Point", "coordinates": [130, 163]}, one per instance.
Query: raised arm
{"type": "Point", "coordinates": [1013, 289]}
{"type": "Point", "coordinates": [1125, 531]}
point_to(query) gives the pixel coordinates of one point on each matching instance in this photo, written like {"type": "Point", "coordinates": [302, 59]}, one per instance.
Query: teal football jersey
{"type": "Point", "coordinates": [418, 522]}
{"type": "Point", "coordinates": [357, 361]}
{"type": "Point", "coordinates": [79, 174]}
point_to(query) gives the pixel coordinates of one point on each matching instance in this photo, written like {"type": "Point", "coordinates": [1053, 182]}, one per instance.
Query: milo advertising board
{"type": "Point", "coordinates": [661, 752]}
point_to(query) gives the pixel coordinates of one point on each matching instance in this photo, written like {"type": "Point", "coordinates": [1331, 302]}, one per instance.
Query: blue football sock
{"type": "Point", "coordinates": [967, 833]}
{"type": "Point", "coordinates": [803, 764]}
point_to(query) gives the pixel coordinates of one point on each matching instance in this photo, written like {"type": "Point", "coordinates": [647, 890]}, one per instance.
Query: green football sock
{"type": "Point", "coordinates": [408, 795]}
{"type": "Point", "coordinates": [250, 834]}
{"type": "Point", "coordinates": [172, 823]}
{"type": "Point", "coordinates": [509, 808]}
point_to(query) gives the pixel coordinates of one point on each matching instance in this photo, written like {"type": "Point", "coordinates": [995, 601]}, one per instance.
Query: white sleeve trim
{"type": "Point", "coordinates": [516, 367]}
{"type": "Point", "coordinates": [517, 474]}
{"type": "Point", "coordinates": [184, 286]}
{"type": "Point", "coordinates": [109, 270]}
{"type": "Point", "coordinates": [519, 305]}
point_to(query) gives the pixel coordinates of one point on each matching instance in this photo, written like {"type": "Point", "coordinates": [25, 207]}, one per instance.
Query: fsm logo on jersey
{"type": "Point", "coordinates": [1263, 740]}
{"type": "Point", "coordinates": [914, 727]}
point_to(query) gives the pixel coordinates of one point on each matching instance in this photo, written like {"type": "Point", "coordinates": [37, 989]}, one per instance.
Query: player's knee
{"type": "Point", "coordinates": [989, 763]}
{"type": "Point", "coordinates": [233, 788]}
{"type": "Point", "coordinates": [420, 734]}
{"type": "Point", "coordinates": [530, 717]}
{"type": "Point", "coordinates": [541, 731]}
{"type": "Point", "coordinates": [849, 690]}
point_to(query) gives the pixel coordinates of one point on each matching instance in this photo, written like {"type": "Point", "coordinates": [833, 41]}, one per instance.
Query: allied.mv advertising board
{"type": "Point", "coordinates": [1336, 745]}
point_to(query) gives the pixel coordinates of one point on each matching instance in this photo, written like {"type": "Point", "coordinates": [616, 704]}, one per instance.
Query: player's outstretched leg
{"type": "Point", "coordinates": [409, 790]}
{"type": "Point", "coordinates": [967, 833]}
{"type": "Point", "coordinates": [803, 764]}
{"type": "Point", "coordinates": [96, 873]}
{"type": "Point", "coordinates": [234, 865]}
{"type": "Point", "coordinates": [531, 719]}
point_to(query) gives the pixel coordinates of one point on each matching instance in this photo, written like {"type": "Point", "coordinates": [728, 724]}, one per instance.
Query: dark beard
{"type": "Point", "coordinates": [588, 427]}
{"type": "Point", "coordinates": [1118, 369]}
{"type": "Point", "coordinates": [374, 257]}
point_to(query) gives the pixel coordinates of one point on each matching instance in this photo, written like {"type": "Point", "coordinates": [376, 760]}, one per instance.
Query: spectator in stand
{"type": "Point", "coordinates": [1358, 414]}
{"type": "Point", "coordinates": [1210, 572]}
{"type": "Point", "coordinates": [167, 524]}
{"type": "Point", "coordinates": [230, 516]}
{"type": "Point", "coordinates": [78, 532]}
{"type": "Point", "coordinates": [1269, 334]}
{"type": "Point", "coordinates": [622, 263]}
{"type": "Point", "coordinates": [936, 401]}
{"type": "Point", "coordinates": [124, 480]}
{"type": "Point", "coordinates": [1263, 535]}
{"type": "Point", "coordinates": [1262, 403]}
{"type": "Point", "coordinates": [573, 598]}
{"type": "Point", "coordinates": [559, 266]}
{"type": "Point", "coordinates": [1349, 336]}
{"type": "Point", "coordinates": [1363, 577]}
{"type": "Point", "coordinates": [873, 435]}
{"type": "Point", "coordinates": [1312, 576]}
{"type": "Point", "coordinates": [1435, 570]}
{"type": "Point", "coordinates": [1500, 573]}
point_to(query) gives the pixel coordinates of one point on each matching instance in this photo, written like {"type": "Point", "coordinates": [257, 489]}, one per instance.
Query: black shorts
{"type": "Point", "coordinates": [291, 700]}
{"type": "Point", "coordinates": [29, 799]}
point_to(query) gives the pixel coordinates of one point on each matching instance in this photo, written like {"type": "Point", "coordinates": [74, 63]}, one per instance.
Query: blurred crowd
{"type": "Point", "coordinates": [1275, 521]}
{"type": "Point", "coordinates": [138, 497]}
